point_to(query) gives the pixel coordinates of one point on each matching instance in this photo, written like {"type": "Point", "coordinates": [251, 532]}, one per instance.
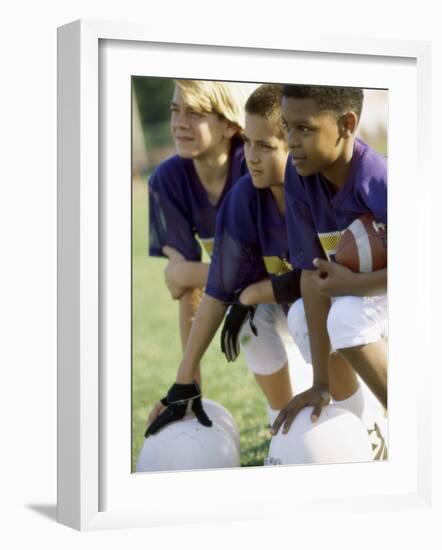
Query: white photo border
{"type": "Point", "coordinates": [81, 471]}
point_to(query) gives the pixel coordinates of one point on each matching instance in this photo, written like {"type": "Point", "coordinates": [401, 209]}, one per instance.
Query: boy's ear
{"type": "Point", "coordinates": [231, 129]}
{"type": "Point", "coordinates": [347, 124]}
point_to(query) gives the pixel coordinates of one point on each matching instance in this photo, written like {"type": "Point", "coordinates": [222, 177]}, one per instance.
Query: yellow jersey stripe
{"type": "Point", "coordinates": [208, 245]}
{"type": "Point", "coordinates": [329, 242]}
{"type": "Point", "coordinates": [276, 265]}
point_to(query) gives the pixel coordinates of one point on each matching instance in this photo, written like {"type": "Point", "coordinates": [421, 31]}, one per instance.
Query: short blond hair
{"type": "Point", "coordinates": [227, 99]}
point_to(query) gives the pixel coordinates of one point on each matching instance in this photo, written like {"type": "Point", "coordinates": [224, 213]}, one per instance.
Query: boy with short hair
{"type": "Point", "coordinates": [250, 242]}
{"type": "Point", "coordinates": [334, 179]}
{"type": "Point", "coordinates": [250, 247]}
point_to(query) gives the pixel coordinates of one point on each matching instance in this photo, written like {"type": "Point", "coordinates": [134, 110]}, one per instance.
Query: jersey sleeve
{"type": "Point", "coordinates": [236, 260]}
{"type": "Point", "coordinates": [371, 187]}
{"type": "Point", "coordinates": [170, 218]}
{"type": "Point", "coordinates": [374, 195]}
{"type": "Point", "coordinates": [304, 244]}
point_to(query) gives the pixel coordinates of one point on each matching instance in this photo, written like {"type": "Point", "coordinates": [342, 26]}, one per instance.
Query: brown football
{"type": "Point", "coordinates": [363, 245]}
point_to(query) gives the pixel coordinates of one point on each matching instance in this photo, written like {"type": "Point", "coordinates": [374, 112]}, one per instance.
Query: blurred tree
{"type": "Point", "coordinates": [140, 163]}
{"type": "Point", "coordinates": [153, 95]}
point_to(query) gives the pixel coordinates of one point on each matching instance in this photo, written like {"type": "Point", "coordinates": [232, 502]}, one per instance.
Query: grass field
{"type": "Point", "coordinates": [156, 353]}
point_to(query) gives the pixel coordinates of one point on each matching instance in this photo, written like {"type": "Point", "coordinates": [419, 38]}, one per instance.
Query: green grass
{"type": "Point", "coordinates": [156, 353]}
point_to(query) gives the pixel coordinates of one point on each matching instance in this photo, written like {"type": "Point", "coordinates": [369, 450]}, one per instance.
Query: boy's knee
{"type": "Point", "coordinates": [348, 324]}
{"type": "Point", "coordinates": [297, 324]}
{"type": "Point", "coordinates": [343, 317]}
{"type": "Point", "coordinates": [296, 320]}
{"type": "Point", "coordinates": [265, 353]}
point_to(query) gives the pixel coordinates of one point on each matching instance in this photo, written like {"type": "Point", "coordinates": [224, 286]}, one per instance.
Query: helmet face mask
{"type": "Point", "coordinates": [338, 436]}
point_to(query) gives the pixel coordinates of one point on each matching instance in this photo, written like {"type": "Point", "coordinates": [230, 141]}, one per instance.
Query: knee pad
{"type": "Point", "coordinates": [297, 324]}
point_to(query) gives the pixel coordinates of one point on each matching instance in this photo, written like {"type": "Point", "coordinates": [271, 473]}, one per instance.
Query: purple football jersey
{"type": "Point", "coordinates": [317, 215]}
{"type": "Point", "coordinates": [179, 207]}
{"type": "Point", "coordinates": [250, 241]}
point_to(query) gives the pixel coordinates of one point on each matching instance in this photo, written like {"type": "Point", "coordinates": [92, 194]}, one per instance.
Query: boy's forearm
{"type": "Point", "coordinates": [332, 279]}
{"type": "Point", "coordinates": [172, 254]}
{"type": "Point", "coordinates": [207, 320]}
{"type": "Point", "coordinates": [371, 284]}
{"type": "Point", "coordinates": [279, 289]}
{"type": "Point", "coordinates": [188, 306]}
{"type": "Point", "coordinates": [317, 307]}
{"type": "Point", "coordinates": [193, 274]}
{"type": "Point", "coordinates": [258, 293]}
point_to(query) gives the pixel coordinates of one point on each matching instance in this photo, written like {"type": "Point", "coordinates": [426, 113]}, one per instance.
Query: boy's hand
{"type": "Point", "coordinates": [237, 315]}
{"type": "Point", "coordinates": [332, 279]}
{"type": "Point", "coordinates": [172, 278]}
{"type": "Point", "coordinates": [157, 409]}
{"type": "Point", "coordinates": [171, 271]}
{"type": "Point", "coordinates": [178, 399]}
{"type": "Point", "coordinates": [317, 396]}
{"type": "Point", "coordinates": [173, 254]}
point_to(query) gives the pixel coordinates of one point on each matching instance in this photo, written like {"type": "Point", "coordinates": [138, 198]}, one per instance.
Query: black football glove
{"type": "Point", "coordinates": [236, 316]}
{"type": "Point", "coordinates": [177, 400]}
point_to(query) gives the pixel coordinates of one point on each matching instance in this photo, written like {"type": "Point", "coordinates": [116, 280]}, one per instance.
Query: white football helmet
{"type": "Point", "coordinates": [221, 416]}
{"type": "Point", "coordinates": [337, 436]}
{"type": "Point", "coordinates": [188, 445]}
{"type": "Point", "coordinates": [376, 423]}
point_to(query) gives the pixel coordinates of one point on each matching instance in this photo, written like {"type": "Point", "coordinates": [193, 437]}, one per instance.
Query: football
{"type": "Point", "coordinates": [337, 436]}
{"type": "Point", "coordinates": [363, 245]}
{"type": "Point", "coordinates": [188, 445]}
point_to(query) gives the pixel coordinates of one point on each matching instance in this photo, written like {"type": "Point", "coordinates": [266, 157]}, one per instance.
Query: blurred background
{"type": "Point", "coordinates": [156, 349]}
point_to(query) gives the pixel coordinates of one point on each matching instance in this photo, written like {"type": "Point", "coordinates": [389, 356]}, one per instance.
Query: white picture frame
{"type": "Point", "coordinates": [82, 264]}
